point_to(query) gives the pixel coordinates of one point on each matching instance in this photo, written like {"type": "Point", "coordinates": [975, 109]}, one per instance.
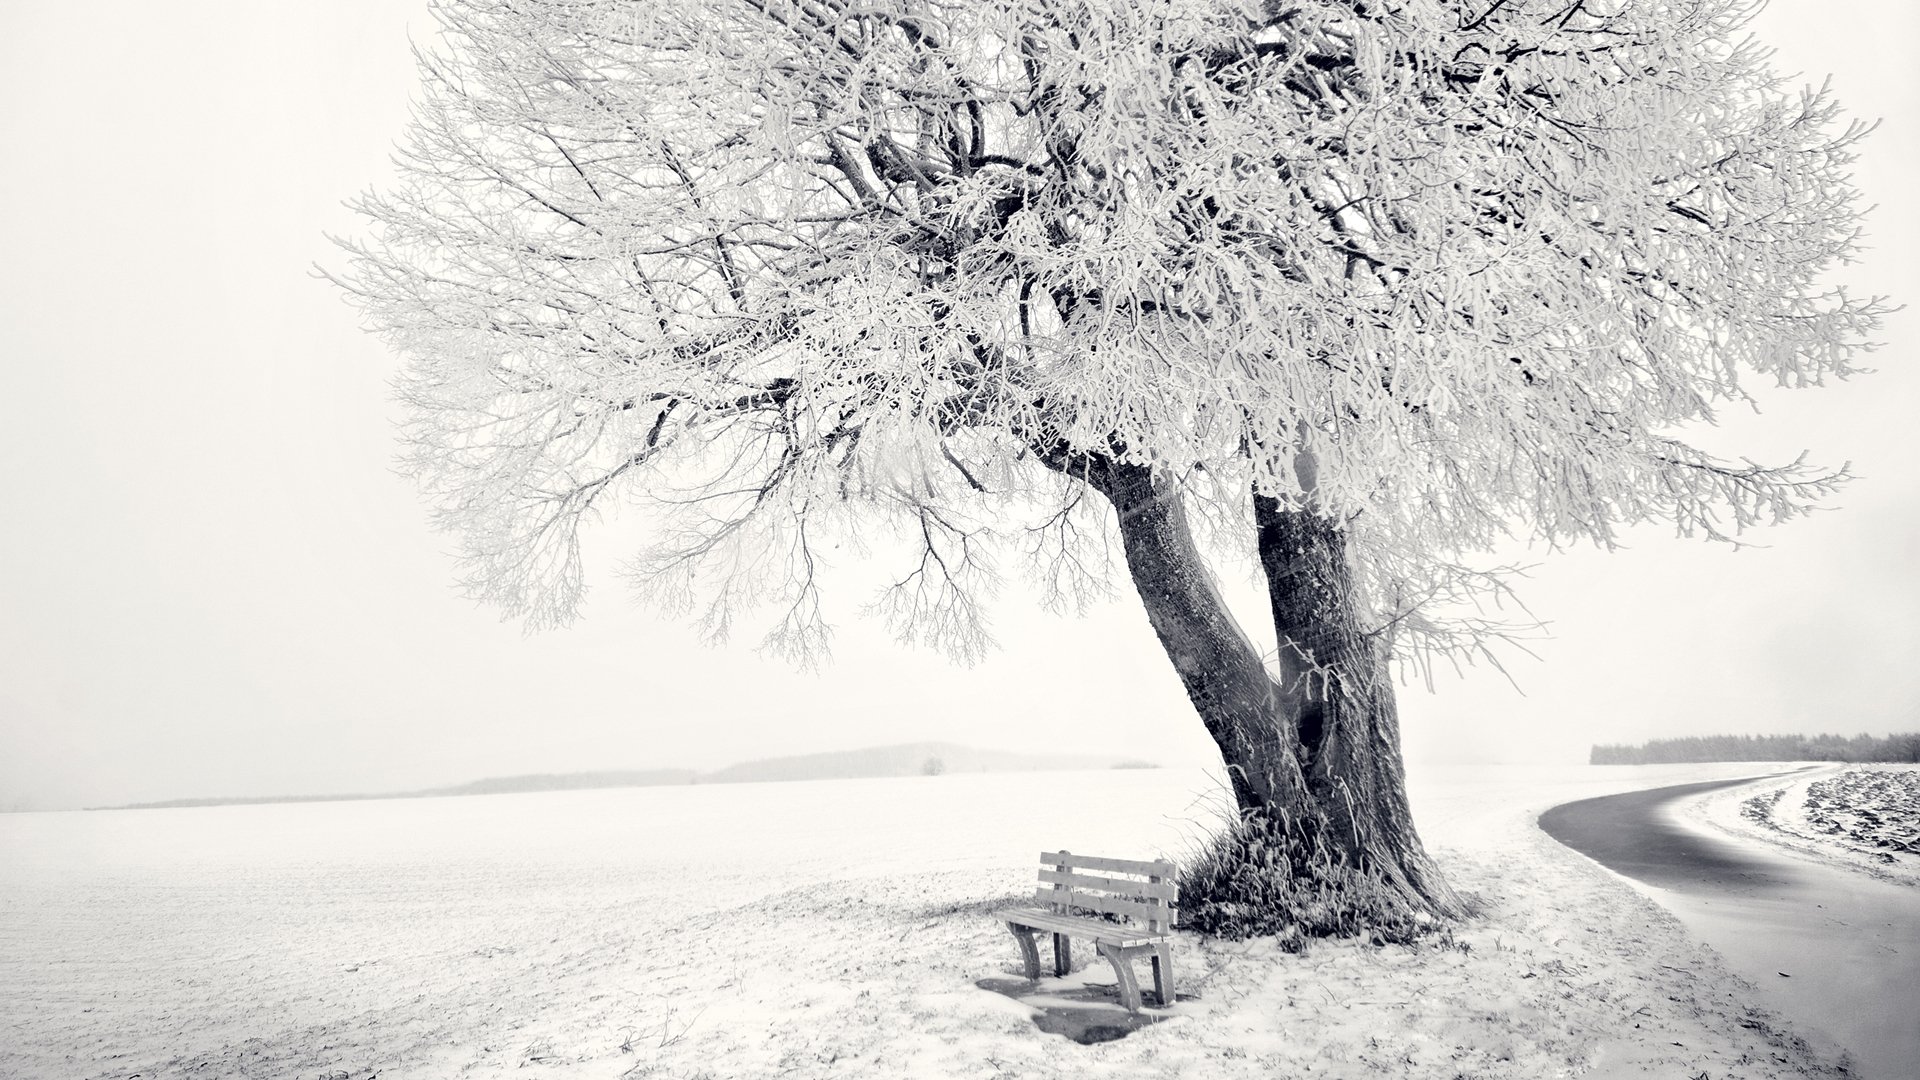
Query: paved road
{"type": "Point", "coordinates": [1630, 834]}
{"type": "Point", "coordinates": [1833, 950]}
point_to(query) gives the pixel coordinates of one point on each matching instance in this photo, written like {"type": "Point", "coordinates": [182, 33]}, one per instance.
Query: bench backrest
{"type": "Point", "coordinates": [1140, 892]}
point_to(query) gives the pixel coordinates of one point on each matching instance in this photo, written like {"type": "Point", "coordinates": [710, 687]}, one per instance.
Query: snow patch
{"type": "Point", "coordinates": [1864, 818]}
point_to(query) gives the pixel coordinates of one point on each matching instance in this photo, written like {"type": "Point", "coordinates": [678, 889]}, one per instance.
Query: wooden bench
{"type": "Point", "coordinates": [1073, 902]}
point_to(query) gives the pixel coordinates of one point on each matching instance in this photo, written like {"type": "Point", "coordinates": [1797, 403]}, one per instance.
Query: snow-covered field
{"type": "Point", "coordinates": [1863, 817]}
{"type": "Point", "coordinates": [832, 929]}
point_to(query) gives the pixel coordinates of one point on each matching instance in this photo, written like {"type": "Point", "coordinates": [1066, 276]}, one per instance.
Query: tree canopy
{"type": "Point", "coordinates": [1439, 271]}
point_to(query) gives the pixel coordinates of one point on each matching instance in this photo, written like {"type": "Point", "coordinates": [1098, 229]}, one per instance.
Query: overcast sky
{"type": "Point", "coordinates": [212, 582]}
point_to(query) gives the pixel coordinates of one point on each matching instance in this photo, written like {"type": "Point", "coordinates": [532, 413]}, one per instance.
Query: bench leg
{"type": "Point", "coordinates": [1122, 967]}
{"type": "Point", "coordinates": [1029, 952]}
{"type": "Point", "coordinates": [1062, 954]}
{"type": "Point", "coordinates": [1163, 974]}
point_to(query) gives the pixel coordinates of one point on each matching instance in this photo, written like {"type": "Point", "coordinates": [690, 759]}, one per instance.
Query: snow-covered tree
{"type": "Point", "coordinates": [1357, 287]}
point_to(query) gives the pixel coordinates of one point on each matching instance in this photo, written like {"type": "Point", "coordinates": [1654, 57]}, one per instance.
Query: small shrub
{"type": "Point", "coordinates": [1261, 879]}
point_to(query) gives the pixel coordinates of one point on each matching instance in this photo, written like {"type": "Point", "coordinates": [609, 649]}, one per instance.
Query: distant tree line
{"type": "Point", "coordinates": [1894, 748]}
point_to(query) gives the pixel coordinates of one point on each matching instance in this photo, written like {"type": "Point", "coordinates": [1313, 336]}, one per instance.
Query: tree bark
{"type": "Point", "coordinates": [1317, 752]}
{"type": "Point", "coordinates": [1336, 693]}
{"type": "Point", "coordinates": [1218, 665]}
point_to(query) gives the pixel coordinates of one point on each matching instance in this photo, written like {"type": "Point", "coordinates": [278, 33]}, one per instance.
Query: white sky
{"type": "Point", "coordinates": [211, 582]}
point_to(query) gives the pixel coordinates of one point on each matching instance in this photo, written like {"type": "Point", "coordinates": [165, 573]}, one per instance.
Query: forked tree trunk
{"type": "Point", "coordinates": [1316, 753]}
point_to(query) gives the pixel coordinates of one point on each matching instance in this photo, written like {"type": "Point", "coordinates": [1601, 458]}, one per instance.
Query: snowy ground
{"type": "Point", "coordinates": [833, 929]}
{"type": "Point", "coordinates": [1862, 817]}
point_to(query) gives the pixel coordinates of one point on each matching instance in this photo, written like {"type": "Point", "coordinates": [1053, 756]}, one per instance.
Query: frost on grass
{"type": "Point", "coordinates": [1260, 879]}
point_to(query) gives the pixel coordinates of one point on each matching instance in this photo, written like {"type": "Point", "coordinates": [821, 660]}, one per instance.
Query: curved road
{"type": "Point", "coordinates": [1833, 949]}
{"type": "Point", "coordinates": [1631, 834]}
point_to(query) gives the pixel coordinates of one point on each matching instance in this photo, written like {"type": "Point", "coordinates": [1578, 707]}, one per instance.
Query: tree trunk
{"type": "Point", "coordinates": [1220, 668]}
{"type": "Point", "coordinates": [1316, 754]}
{"type": "Point", "coordinates": [1336, 693]}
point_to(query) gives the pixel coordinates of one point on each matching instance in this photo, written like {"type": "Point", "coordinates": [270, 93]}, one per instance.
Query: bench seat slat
{"type": "Point", "coordinates": [1121, 866]}
{"type": "Point", "coordinates": [1157, 890]}
{"type": "Point", "coordinates": [1111, 905]}
{"type": "Point", "coordinates": [1074, 926]}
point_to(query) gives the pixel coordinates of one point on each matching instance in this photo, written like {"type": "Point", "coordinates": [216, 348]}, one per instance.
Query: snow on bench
{"type": "Point", "coordinates": [1125, 916]}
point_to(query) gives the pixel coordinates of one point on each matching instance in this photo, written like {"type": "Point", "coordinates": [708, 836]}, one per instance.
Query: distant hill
{"type": "Point", "coordinates": [907, 759]}
{"type": "Point", "coordinates": [252, 800]}
{"type": "Point", "coordinates": [491, 785]}
{"type": "Point", "coordinates": [577, 781]}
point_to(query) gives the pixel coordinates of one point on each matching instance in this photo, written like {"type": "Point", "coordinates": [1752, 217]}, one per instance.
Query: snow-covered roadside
{"type": "Point", "coordinates": [1567, 973]}
{"type": "Point", "coordinates": [857, 954]}
{"type": "Point", "coordinates": [1799, 812]}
